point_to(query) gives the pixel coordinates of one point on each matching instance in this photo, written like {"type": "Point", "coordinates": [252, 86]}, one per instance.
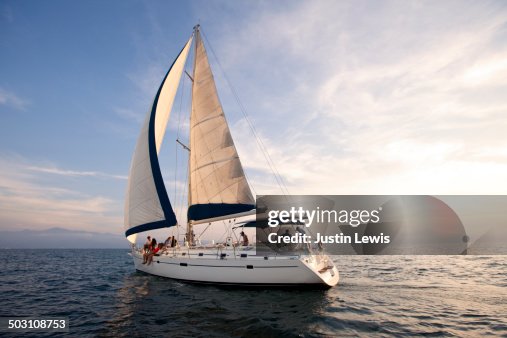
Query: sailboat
{"type": "Point", "coordinates": [217, 190]}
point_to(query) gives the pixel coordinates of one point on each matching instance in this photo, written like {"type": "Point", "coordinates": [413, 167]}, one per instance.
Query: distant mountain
{"type": "Point", "coordinates": [59, 238]}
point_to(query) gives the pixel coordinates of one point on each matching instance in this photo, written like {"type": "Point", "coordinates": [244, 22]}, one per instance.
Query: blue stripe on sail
{"type": "Point", "coordinates": [170, 217]}
{"type": "Point", "coordinates": [146, 227]}
{"type": "Point", "coordinates": [197, 212]}
{"type": "Point", "coordinates": [254, 224]}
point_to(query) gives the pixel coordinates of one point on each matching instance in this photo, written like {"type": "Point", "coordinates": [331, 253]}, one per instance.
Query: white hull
{"type": "Point", "coordinates": [206, 266]}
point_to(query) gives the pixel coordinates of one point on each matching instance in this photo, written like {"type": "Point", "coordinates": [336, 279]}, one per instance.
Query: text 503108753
{"type": "Point", "coordinates": [34, 324]}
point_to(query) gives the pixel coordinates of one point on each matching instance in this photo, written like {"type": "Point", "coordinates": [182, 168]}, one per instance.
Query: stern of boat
{"type": "Point", "coordinates": [323, 267]}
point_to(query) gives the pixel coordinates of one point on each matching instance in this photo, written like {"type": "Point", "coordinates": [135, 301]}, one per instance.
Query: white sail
{"type": "Point", "coordinates": [218, 185]}
{"type": "Point", "coordinates": [147, 205]}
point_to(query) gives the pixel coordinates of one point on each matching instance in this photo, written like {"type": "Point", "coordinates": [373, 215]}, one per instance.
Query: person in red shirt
{"type": "Point", "coordinates": [154, 253]}
{"type": "Point", "coordinates": [149, 246]}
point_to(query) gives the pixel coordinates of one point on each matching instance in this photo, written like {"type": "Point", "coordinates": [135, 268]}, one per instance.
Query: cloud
{"type": "Point", "coordinates": [73, 173]}
{"type": "Point", "coordinates": [398, 98]}
{"type": "Point", "coordinates": [492, 69]}
{"type": "Point", "coordinates": [28, 200]}
{"type": "Point", "coordinates": [10, 99]}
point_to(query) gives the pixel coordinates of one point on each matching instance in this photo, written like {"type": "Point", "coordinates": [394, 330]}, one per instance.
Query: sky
{"type": "Point", "coordinates": [349, 97]}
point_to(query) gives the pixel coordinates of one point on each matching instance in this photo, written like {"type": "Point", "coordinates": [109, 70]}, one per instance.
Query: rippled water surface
{"type": "Point", "coordinates": [383, 295]}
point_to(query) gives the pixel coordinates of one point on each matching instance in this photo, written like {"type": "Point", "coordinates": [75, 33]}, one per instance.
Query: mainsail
{"type": "Point", "coordinates": [147, 205]}
{"type": "Point", "coordinates": [218, 186]}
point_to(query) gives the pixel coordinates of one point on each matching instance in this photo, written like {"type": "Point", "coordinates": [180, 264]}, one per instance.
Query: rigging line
{"type": "Point", "coordinates": [185, 187]}
{"type": "Point", "coordinates": [260, 143]}
{"type": "Point", "coordinates": [177, 137]}
{"type": "Point", "coordinates": [181, 104]}
{"type": "Point", "coordinates": [226, 228]}
{"type": "Point", "coordinates": [183, 195]}
{"type": "Point", "coordinates": [202, 233]}
{"type": "Point", "coordinates": [176, 146]}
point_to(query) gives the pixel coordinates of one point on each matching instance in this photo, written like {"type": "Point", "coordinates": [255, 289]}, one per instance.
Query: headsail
{"type": "Point", "coordinates": [147, 205]}
{"type": "Point", "coordinates": [218, 186]}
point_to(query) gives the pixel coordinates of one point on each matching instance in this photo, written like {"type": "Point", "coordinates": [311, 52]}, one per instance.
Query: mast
{"type": "Point", "coordinates": [190, 236]}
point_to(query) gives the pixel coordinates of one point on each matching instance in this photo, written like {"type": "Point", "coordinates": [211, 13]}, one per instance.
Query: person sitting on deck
{"type": "Point", "coordinates": [244, 242]}
{"type": "Point", "coordinates": [147, 245]}
{"type": "Point", "coordinates": [148, 249]}
{"type": "Point", "coordinates": [153, 244]}
{"type": "Point", "coordinates": [155, 252]}
{"type": "Point", "coordinates": [168, 242]}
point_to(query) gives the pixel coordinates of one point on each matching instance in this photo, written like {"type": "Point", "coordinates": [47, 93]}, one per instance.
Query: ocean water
{"type": "Point", "coordinates": [104, 296]}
